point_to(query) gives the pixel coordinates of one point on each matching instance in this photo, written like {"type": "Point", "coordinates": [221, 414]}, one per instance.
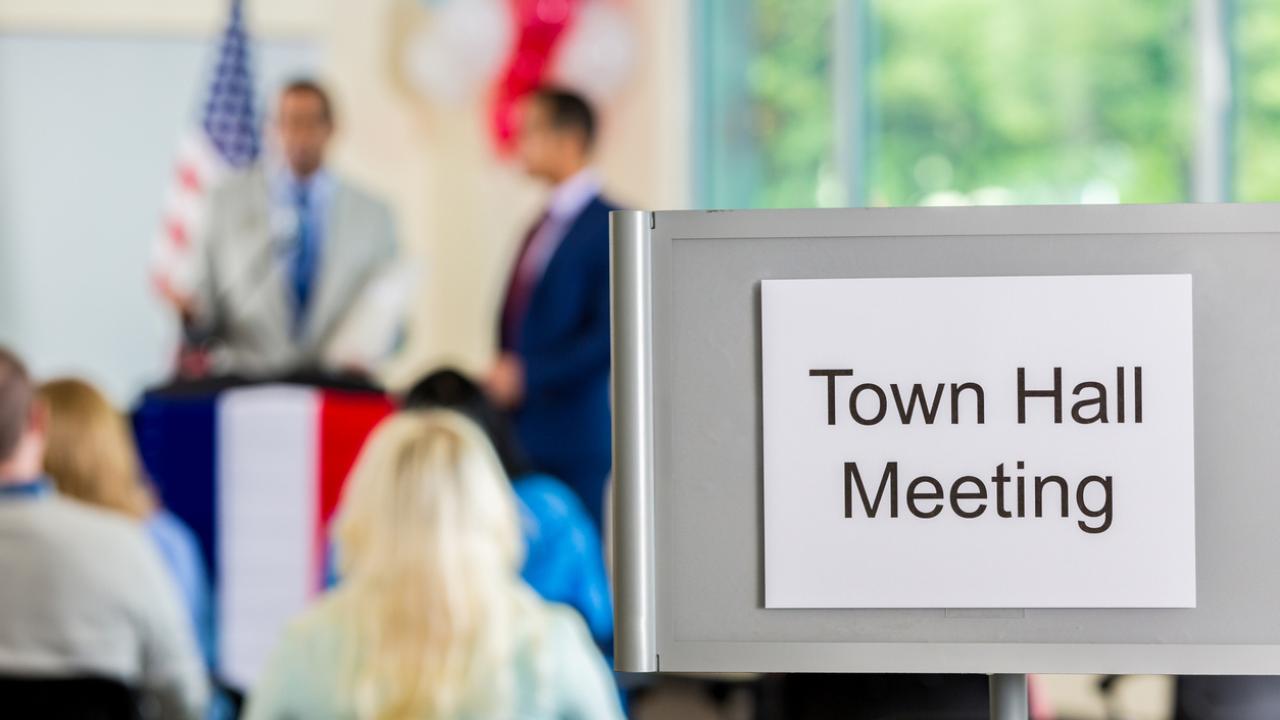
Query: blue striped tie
{"type": "Point", "coordinates": [303, 267]}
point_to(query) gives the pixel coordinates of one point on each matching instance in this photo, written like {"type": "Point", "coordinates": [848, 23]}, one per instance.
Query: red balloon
{"type": "Point", "coordinates": [540, 24]}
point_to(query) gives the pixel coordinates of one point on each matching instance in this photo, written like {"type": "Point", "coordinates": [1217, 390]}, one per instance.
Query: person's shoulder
{"type": "Point", "coordinates": [545, 493]}
{"type": "Point", "coordinates": [583, 672]}
{"type": "Point", "coordinates": [300, 678]}
{"type": "Point", "coordinates": [368, 212]}
{"type": "Point", "coordinates": [591, 228]}
{"type": "Point", "coordinates": [561, 667]}
{"type": "Point", "coordinates": [173, 534]}
{"type": "Point", "coordinates": [566, 641]}
{"type": "Point", "coordinates": [564, 634]}
{"type": "Point", "coordinates": [599, 207]}
{"type": "Point", "coordinates": [604, 203]}
{"type": "Point", "coordinates": [87, 531]}
{"type": "Point", "coordinates": [316, 631]}
{"type": "Point", "coordinates": [353, 192]}
{"type": "Point", "coordinates": [166, 524]}
{"type": "Point", "coordinates": [100, 523]}
{"type": "Point", "coordinates": [239, 182]}
{"type": "Point", "coordinates": [557, 511]}
{"type": "Point", "coordinates": [320, 637]}
{"type": "Point", "coordinates": [546, 629]}
{"type": "Point", "coordinates": [565, 623]}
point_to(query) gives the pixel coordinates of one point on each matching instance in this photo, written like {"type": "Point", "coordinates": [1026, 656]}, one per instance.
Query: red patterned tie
{"type": "Point", "coordinates": [519, 290]}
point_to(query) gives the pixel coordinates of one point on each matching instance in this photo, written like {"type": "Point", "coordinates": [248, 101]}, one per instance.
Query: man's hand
{"type": "Point", "coordinates": [505, 382]}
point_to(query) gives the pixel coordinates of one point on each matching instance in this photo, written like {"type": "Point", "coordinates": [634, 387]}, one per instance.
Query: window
{"type": "Point", "coordinates": [1256, 30]}
{"type": "Point", "coordinates": [808, 103]}
{"type": "Point", "coordinates": [766, 100]}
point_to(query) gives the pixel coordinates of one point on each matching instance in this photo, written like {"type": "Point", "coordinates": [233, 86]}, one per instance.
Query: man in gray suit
{"type": "Point", "coordinates": [288, 253]}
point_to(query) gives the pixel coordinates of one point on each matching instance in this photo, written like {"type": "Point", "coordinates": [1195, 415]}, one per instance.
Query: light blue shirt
{"type": "Point", "coordinates": [284, 187]}
{"type": "Point", "coordinates": [36, 488]}
{"type": "Point", "coordinates": [286, 223]}
{"type": "Point", "coordinates": [181, 553]}
{"type": "Point", "coordinates": [557, 673]}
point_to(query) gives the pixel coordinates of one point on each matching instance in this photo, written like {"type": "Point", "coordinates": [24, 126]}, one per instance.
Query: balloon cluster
{"type": "Point", "coordinates": [539, 23]}
{"type": "Point", "coordinates": [510, 47]}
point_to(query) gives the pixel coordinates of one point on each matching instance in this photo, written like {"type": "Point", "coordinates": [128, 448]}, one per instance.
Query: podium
{"type": "Point", "coordinates": [256, 470]}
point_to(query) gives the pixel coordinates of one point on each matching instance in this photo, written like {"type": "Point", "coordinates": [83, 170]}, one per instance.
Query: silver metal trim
{"type": "Point", "coordinates": [1211, 162]}
{"type": "Point", "coordinates": [1008, 697]}
{"type": "Point", "coordinates": [635, 648]}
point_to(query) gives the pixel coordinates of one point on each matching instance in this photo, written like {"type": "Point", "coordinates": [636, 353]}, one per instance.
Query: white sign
{"type": "Point", "coordinates": [979, 442]}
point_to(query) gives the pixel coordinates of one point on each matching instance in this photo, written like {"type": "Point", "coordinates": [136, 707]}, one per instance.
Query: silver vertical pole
{"type": "Point", "coordinates": [849, 82]}
{"type": "Point", "coordinates": [1008, 697]}
{"type": "Point", "coordinates": [633, 591]}
{"type": "Point", "coordinates": [1211, 165]}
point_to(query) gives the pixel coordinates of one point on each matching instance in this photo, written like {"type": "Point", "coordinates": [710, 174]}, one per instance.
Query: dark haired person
{"type": "Point", "coordinates": [83, 593]}
{"type": "Point", "coordinates": [563, 559]}
{"type": "Point", "coordinates": [288, 251]}
{"type": "Point", "coordinates": [552, 372]}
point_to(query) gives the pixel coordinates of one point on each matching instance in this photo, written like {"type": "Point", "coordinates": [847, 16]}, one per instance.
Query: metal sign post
{"type": "Point", "coordinates": [1008, 697]}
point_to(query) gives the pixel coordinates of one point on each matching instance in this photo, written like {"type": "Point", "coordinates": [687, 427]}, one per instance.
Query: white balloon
{"type": "Point", "coordinates": [479, 33]}
{"type": "Point", "coordinates": [597, 55]}
{"type": "Point", "coordinates": [432, 71]}
{"type": "Point", "coordinates": [461, 52]}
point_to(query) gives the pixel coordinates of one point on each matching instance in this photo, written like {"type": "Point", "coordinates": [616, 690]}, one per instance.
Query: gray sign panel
{"type": "Point", "coordinates": [688, 516]}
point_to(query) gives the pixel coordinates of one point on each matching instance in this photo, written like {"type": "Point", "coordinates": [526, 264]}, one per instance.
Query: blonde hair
{"type": "Point", "coordinates": [90, 453]}
{"type": "Point", "coordinates": [429, 548]}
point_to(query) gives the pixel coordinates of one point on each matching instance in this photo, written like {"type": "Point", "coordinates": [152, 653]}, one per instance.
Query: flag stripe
{"type": "Point", "coordinates": [177, 232]}
{"type": "Point", "coordinates": [257, 473]}
{"type": "Point", "coordinates": [267, 495]}
{"type": "Point", "coordinates": [227, 138]}
{"type": "Point", "coordinates": [346, 419]}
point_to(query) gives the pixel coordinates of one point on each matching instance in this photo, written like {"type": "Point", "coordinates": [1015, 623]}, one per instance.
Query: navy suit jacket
{"type": "Point", "coordinates": [564, 423]}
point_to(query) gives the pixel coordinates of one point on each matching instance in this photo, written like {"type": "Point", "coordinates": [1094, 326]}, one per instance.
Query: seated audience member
{"type": "Point", "coordinates": [431, 619]}
{"type": "Point", "coordinates": [84, 593]}
{"type": "Point", "coordinates": [563, 559]}
{"type": "Point", "coordinates": [91, 457]}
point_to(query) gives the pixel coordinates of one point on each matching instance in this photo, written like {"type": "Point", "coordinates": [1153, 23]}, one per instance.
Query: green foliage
{"type": "Point", "coordinates": [977, 100]}
{"type": "Point", "coordinates": [1257, 45]}
{"type": "Point", "coordinates": [1046, 101]}
{"type": "Point", "coordinates": [790, 78]}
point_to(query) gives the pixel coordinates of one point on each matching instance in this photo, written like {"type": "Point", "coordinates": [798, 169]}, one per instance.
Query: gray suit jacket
{"type": "Point", "coordinates": [242, 305]}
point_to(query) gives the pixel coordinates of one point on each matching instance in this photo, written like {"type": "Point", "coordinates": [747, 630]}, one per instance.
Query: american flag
{"type": "Point", "coordinates": [226, 139]}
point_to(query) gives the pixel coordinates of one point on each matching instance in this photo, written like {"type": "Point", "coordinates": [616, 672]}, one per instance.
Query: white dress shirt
{"type": "Point", "coordinates": [568, 199]}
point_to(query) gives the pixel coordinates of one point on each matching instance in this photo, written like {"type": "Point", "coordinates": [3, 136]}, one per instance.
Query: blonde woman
{"type": "Point", "coordinates": [431, 619]}
{"type": "Point", "coordinates": [91, 456]}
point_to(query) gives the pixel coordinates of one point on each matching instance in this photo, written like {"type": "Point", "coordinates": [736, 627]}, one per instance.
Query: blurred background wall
{"type": "Point", "coordinates": [726, 103]}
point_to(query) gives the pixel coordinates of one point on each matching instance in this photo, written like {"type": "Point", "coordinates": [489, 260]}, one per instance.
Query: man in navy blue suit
{"type": "Point", "coordinates": [553, 370]}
